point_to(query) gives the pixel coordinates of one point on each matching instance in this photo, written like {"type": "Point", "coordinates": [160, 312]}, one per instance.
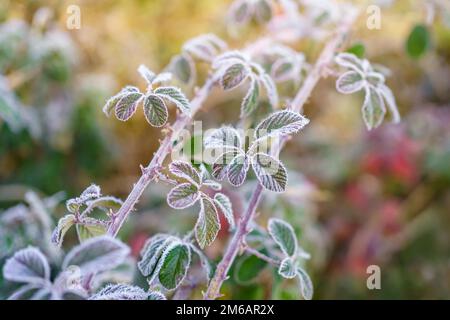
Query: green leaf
{"type": "Point", "coordinates": [208, 224]}
{"type": "Point", "coordinates": [27, 265]}
{"type": "Point", "coordinates": [263, 11]}
{"type": "Point", "coordinates": [155, 111]}
{"type": "Point", "coordinates": [224, 203]}
{"type": "Point", "coordinates": [151, 254]}
{"type": "Point", "coordinates": [177, 259]}
{"type": "Point", "coordinates": [175, 96]}
{"type": "Point", "coordinates": [234, 75]}
{"type": "Point", "coordinates": [306, 286]}
{"type": "Point", "coordinates": [183, 196]}
{"type": "Point", "coordinates": [287, 268]}
{"type": "Point", "coordinates": [97, 254]}
{"type": "Point", "coordinates": [185, 170]}
{"type": "Point", "coordinates": [373, 109]}
{"type": "Point", "coordinates": [280, 123]}
{"type": "Point", "coordinates": [183, 68]}
{"type": "Point", "coordinates": [283, 235]}
{"type": "Point", "coordinates": [90, 228]}
{"type": "Point", "coordinates": [237, 170]}
{"type": "Point", "coordinates": [63, 226]}
{"type": "Point", "coordinates": [358, 50]}
{"type": "Point", "coordinates": [104, 203]}
{"type": "Point", "coordinates": [418, 41]}
{"type": "Point", "coordinates": [248, 269]}
{"type": "Point", "coordinates": [224, 137]}
{"type": "Point", "coordinates": [250, 101]}
{"type": "Point", "coordinates": [270, 172]}
{"type": "Point", "coordinates": [350, 82]}
{"type": "Point", "coordinates": [127, 105]}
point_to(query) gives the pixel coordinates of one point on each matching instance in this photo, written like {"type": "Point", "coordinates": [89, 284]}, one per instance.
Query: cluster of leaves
{"type": "Point", "coordinates": [31, 268]}
{"type": "Point", "coordinates": [28, 223]}
{"type": "Point", "coordinates": [79, 210]}
{"type": "Point", "coordinates": [288, 64]}
{"type": "Point", "coordinates": [233, 68]}
{"type": "Point", "coordinates": [234, 162]}
{"type": "Point", "coordinates": [125, 103]}
{"type": "Point", "coordinates": [290, 267]}
{"type": "Point", "coordinates": [362, 76]}
{"type": "Point", "coordinates": [165, 260]}
{"type": "Point", "coordinates": [244, 11]}
{"type": "Point", "coordinates": [203, 48]}
{"type": "Point", "coordinates": [186, 194]}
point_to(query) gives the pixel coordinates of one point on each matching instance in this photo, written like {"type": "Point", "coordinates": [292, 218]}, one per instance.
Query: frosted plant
{"type": "Point", "coordinates": [165, 259]}
{"type": "Point", "coordinates": [79, 209]}
{"type": "Point", "coordinates": [243, 11]}
{"type": "Point", "coordinates": [235, 162]}
{"type": "Point", "coordinates": [186, 194]}
{"type": "Point", "coordinates": [362, 76]}
{"type": "Point", "coordinates": [233, 68]}
{"type": "Point", "coordinates": [31, 268]}
{"type": "Point", "coordinates": [154, 101]}
{"type": "Point", "coordinates": [203, 48]}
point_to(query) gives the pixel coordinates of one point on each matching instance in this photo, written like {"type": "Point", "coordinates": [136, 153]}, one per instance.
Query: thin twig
{"type": "Point", "coordinates": [262, 256]}
{"type": "Point", "coordinates": [324, 60]}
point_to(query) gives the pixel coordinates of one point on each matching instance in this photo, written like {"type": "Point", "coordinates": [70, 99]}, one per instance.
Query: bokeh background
{"type": "Point", "coordinates": [355, 197]}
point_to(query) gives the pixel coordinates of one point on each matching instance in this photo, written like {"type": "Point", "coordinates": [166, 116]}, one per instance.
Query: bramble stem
{"type": "Point", "coordinates": [151, 171]}
{"type": "Point", "coordinates": [324, 60]}
{"type": "Point", "coordinates": [262, 256]}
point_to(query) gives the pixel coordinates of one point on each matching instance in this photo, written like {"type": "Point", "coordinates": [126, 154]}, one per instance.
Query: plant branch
{"type": "Point", "coordinates": [151, 171]}
{"type": "Point", "coordinates": [262, 256]}
{"type": "Point", "coordinates": [324, 60]}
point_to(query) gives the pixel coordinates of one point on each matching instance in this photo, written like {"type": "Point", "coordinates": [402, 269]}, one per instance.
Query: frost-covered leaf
{"type": "Point", "coordinates": [280, 123]}
{"type": "Point", "coordinates": [228, 58]}
{"type": "Point", "coordinates": [73, 205]}
{"type": "Point", "coordinates": [120, 292]}
{"type": "Point", "coordinates": [185, 170]}
{"type": "Point", "coordinates": [270, 172]}
{"type": "Point", "coordinates": [127, 105]}
{"type": "Point", "coordinates": [151, 254]}
{"type": "Point", "coordinates": [282, 70]}
{"type": "Point", "coordinates": [27, 265]}
{"type": "Point", "coordinates": [240, 12]}
{"type": "Point", "coordinates": [162, 78]}
{"type": "Point", "coordinates": [208, 225]}
{"type": "Point", "coordinates": [183, 68]}
{"type": "Point", "coordinates": [177, 259]}
{"type": "Point", "coordinates": [175, 96]}
{"type": "Point", "coordinates": [271, 89]}
{"type": "Point", "coordinates": [155, 110]}
{"type": "Point", "coordinates": [250, 101]}
{"type": "Point", "coordinates": [284, 236]}
{"type": "Point", "coordinates": [155, 295]}
{"type": "Point", "coordinates": [234, 75]}
{"type": "Point", "coordinates": [104, 203]}
{"type": "Point", "coordinates": [373, 109]}
{"type": "Point", "coordinates": [287, 268]}
{"type": "Point", "coordinates": [237, 170]}
{"type": "Point", "coordinates": [221, 164]}
{"type": "Point", "coordinates": [205, 47]}
{"type": "Point", "coordinates": [91, 192]}
{"type": "Point", "coordinates": [183, 196]}
{"type": "Point", "coordinates": [350, 61]}
{"type": "Point", "coordinates": [225, 205]}
{"type": "Point", "coordinates": [349, 82]}
{"type": "Point", "coordinates": [390, 102]}
{"type": "Point", "coordinates": [223, 137]}
{"type": "Point", "coordinates": [111, 104]}
{"type": "Point", "coordinates": [263, 10]}
{"type": "Point", "coordinates": [306, 286]}
{"type": "Point", "coordinates": [146, 73]}
{"type": "Point", "coordinates": [90, 228]}
{"type": "Point", "coordinates": [97, 254]}
{"type": "Point", "coordinates": [212, 184]}
{"type": "Point", "coordinates": [63, 226]}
